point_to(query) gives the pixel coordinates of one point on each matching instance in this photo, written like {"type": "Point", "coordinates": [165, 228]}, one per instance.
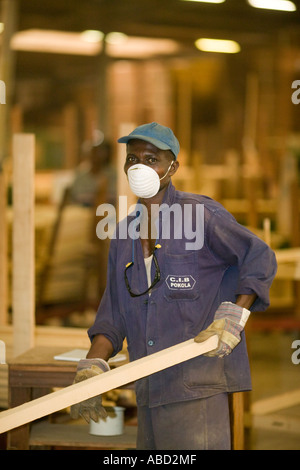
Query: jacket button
{"type": "Point", "coordinates": [150, 342]}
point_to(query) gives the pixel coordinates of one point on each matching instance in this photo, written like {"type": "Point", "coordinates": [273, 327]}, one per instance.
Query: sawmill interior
{"type": "Point", "coordinates": [74, 77]}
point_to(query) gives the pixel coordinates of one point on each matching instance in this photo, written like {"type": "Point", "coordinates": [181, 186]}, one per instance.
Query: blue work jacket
{"type": "Point", "coordinates": [231, 261]}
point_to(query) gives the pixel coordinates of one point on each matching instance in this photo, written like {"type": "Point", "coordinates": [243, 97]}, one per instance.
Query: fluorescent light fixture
{"type": "Point", "coordinates": [282, 5]}
{"type": "Point", "coordinates": [116, 38]}
{"type": "Point", "coordinates": [217, 45]}
{"type": "Point", "coordinates": [59, 42]}
{"type": "Point", "coordinates": [134, 47]}
{"type": "Point", "coordinates": [91, 35]}
{"type": "Point", "coordinates": [90, 43]}
{"type": "Point", "coordinates": [205, 1]}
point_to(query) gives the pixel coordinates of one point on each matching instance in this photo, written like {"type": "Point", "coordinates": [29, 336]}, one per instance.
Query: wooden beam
{"type": "Point", "coordinates": [267, 230]}
{"type": "Point", "coordinates": [288, 255]}
{"type": "Point", "coordinates": [273, 422]}
{"type": "Point", "coordinates": [23, 281]}
{"type": "Point", "coordinates": [112, 379]}
{"type": "Point", "coordinates": [2, 352]}
{"type": "Point", "coordinates": [276, 403]}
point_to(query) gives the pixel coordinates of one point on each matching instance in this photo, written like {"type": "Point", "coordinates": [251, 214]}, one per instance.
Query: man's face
{"type": "Point", "coordinates": [139, 151]}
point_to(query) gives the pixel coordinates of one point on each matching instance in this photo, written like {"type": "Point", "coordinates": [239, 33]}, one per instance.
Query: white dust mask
{"type": "Point", "coordinates": [144, 182]}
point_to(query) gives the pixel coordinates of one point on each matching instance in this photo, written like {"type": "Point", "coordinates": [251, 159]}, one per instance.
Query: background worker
{"type": "Point", "coordinates": [94, 180]}
{"type": "Point", "coordinates": [225, 277]}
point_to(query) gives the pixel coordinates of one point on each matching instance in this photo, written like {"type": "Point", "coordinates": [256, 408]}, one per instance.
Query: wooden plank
{"type": "Point", "coordinates": [275, 403]}
{"type": "Point", "coordinates": [2, 352]}
{"type": "Point", "coordinates": [275, 422]}
{"type": "Point", "coordinates": [267, 230]}
{"type": "Point", "coordinates": [110, 380]}
{"type": "Point", "coordinates": [288, 255]}
{"type": "Point", "coordinates": [23, 282]}
{"type": "Point", "coordinates": [289, 271]}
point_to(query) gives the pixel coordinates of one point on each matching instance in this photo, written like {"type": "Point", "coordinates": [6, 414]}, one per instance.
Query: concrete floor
{"type": "Point", "coordinates": [274, 373]}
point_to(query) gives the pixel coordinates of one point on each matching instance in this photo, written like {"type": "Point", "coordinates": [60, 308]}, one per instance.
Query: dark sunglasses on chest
{"type": "Point", "coordinates": [154, 282]}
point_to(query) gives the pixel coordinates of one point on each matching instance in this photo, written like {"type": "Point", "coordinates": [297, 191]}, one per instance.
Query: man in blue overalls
{"type": "Point", "coordinates": [200, 277]}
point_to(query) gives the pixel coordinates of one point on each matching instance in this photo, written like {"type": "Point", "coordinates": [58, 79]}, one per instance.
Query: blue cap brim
{"type": "Point", "coordinates": [158, 143]}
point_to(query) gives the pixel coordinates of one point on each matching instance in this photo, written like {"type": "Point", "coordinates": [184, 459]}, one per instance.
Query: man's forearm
{"type": "Point", "coordinates": [101, 347]}
{"type": "Point", "coordinates": [245, 300]}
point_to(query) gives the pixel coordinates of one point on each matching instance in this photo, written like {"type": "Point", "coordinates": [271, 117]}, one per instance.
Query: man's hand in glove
{"type": "Point", "coordinates": [229, 321]}
{"type": "Point", "coordinates": [91, 408]}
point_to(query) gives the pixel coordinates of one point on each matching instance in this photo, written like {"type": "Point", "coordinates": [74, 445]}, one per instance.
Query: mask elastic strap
{"type": "Point", "coordinates": [166, 172]}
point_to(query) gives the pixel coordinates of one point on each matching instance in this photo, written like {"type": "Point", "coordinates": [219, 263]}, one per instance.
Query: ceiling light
{"type": "Point", "coordinates": [217, 45]}
{"type": "Point", "coordinates": [283, 5]}
{"type": "Point", "coordinates": [58, 42]}
{"type": "Point", "coordinates": [92, 35]}
{"type": "Point", "coordinates": [116, 38]}
{"type": "Point", "coordinates": [90, 43]}
{"type": "Point", "coordinates": [205, 1]}
{"type": "Point", "coordinates": [141, 48]}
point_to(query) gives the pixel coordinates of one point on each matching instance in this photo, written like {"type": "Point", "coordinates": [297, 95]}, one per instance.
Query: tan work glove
{"type": "Point", "coordinates": [229, 321]}
{"type": "Point", "coordinates": [92, 407]}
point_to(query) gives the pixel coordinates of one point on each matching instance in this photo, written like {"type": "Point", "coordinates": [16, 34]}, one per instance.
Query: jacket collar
{"type": "Point", "coordinates": [169, 196]}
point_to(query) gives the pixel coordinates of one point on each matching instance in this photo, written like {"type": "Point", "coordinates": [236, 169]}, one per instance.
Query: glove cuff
{"type": "Point", "coordinates": [231, 339]}
{"type": "Point", "coordinates": [88, 363]}
{"type": "Point", "coordinates": [233, 312]}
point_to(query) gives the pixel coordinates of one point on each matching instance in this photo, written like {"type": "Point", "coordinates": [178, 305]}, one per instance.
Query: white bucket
{"type": "Point", "coordinates": [112, 425]}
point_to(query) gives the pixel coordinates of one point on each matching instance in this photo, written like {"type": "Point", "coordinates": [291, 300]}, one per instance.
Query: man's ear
{"type": "Point", "coordinates": [174, 167]}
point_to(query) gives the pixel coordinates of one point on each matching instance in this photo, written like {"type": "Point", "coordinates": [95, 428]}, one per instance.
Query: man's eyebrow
{"type": "Point", "coordinates": [151, 154]}
{"type": "Point", "coordinates": [148, 154]}
{"type": "Point", "coordinates": [130, 154]}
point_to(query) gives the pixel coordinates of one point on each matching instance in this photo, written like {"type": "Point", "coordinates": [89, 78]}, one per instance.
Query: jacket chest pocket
{"type": "Point", "coordinates": [181, 277]}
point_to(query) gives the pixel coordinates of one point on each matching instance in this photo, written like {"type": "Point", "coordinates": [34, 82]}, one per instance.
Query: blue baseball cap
{"type": "Point", "coordinates": [160, 136]}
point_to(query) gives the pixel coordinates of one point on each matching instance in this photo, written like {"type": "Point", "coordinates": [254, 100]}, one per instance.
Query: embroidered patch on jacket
{"type": "Point", "coordinates": [181, 282]}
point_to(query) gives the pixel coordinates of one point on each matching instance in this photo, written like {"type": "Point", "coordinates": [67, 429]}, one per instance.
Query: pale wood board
{"type": "Point", "coordinates": [273, 422]}
{"type": "Point", "coordinates": [110, 380]}
{"type": "Point", "coordinates": [276, 403]}
{"type": "Point", "coordinates": [288, 255]}
{"type": "Point", "coordinates": [23, 269]}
